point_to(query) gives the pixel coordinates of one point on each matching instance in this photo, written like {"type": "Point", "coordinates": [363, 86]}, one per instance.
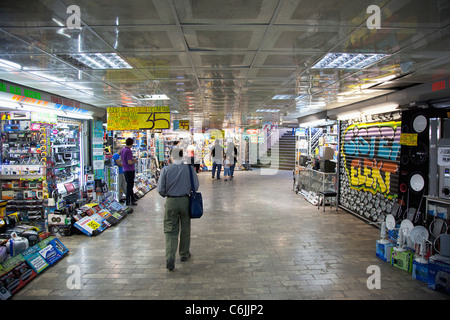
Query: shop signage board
{"type": "Point", "coordinates": [17, 93]}
{"type": "Point", "coordinates": [138, 118]}
{"type": "Point", "coordinates": [253, 131]}
{"type": "Point", "coordinates": [180, 124]}
{"type": "Point", "coordinates": [6, 96]}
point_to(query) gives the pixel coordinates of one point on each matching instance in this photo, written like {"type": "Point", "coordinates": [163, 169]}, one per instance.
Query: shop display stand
{"type": "Point", "coordinates": [26, 176]}
{"type": "Point", "coordinates": [67, 160]}
{"type": "Point", "coordinates": [23, 171]}
{"type": "Point", "coordinates": [17, 271]}
{"type": "Point", "coordinates": [311, 182]}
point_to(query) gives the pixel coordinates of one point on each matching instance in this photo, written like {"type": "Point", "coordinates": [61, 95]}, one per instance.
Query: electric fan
{"type": "Point", "coordinates": [419, 236]}
{"type": "Point", "coordinates": [403, 232]}
{"type": "Point", "coordinates": [405, 228]}
{"type": "Point", "coordinates": [443, 253]}
{"type": "Point", "coordinates": [437, 226]}
{"type": "Point", "coordinates": [383, 228]}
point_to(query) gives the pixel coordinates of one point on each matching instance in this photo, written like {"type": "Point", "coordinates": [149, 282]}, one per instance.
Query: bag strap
{"type": "Point", "coordinates": [192, 179]}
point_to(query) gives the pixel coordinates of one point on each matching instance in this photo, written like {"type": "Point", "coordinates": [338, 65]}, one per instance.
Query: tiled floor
{"type": "Point", "coordinates": [257, 240]}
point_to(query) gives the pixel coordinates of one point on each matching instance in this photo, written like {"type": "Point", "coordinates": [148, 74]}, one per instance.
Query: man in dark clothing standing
{"type": "Point", "coordinates": [128, 162]}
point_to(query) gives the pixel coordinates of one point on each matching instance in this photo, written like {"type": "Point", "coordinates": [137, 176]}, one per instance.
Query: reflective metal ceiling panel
{"type": "Point", "coordinates": [221, 61]}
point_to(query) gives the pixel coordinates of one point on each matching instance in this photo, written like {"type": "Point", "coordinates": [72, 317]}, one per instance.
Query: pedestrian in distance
{"type": "Point", "coordinates": [217, 158]}
{"type": "Point", "coordinates": [226, 169]}
{"type": "Point", "coordinates": [231, 153]}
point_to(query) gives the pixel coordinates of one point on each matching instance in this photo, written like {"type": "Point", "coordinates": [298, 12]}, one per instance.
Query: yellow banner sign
{"type": "Point", "coordinates": [137, 118]}
{"type": "Point", "coordinates": [184, 124]}
{"type": "Point", "coordinates": [408, 139]}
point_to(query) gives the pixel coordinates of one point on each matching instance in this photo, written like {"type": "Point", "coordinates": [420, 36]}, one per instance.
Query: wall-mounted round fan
{"type": "Point", "coordinates": [420, 123]}
{"type": "Point", "coordinates": [417, 182]}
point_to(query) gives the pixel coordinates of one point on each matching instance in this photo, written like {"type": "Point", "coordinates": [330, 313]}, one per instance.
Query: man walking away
{"type": "Point", "coordinates": [217, 158]}
{"type": "Point", "coordinates": [175, 184]}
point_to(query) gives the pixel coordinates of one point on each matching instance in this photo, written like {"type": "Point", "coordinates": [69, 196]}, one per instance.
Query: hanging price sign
{"type": "Point", "coordinates": [137, 118]}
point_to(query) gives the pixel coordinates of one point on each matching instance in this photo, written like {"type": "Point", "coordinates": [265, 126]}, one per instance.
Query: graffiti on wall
{"type": "Point", "coordinates": [371, 153]}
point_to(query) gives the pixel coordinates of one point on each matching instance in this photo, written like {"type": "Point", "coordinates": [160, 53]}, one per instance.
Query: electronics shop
{"type": "Point", "coordinates": [388, 167]}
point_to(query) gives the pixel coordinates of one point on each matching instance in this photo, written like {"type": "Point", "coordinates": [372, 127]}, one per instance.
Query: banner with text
{"type": "Point", "coordinates": [137, 118]}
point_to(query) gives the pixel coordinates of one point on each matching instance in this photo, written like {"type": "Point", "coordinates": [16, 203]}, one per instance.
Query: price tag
{"type": "Point", "coordinates": [93, 224]}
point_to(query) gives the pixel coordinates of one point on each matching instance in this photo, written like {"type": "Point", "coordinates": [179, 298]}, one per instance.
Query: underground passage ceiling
{"type": "Point", "coordinates": [224, 63]}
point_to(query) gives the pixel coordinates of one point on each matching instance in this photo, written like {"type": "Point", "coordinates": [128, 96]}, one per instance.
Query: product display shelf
{"type": "Point", "coordinates": [67, 158]}
{"type": "Point", "coordinates": [311, 182]}
{"type": "Point", "coordinates": [23, 168]}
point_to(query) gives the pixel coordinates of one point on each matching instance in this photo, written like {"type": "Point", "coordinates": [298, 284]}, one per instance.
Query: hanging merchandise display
{"type": "Point", "coordinates": [98, 161]}
{"type": "Point", "coordinates": [414, 166]}
{"type": "Point", "coordinates": [25, 159]}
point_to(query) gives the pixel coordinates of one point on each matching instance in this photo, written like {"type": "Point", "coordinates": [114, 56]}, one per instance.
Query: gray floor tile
{"type": "Point", "coordinates": [257, 240]}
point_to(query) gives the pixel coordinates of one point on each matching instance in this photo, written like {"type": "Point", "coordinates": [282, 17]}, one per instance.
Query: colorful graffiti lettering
{"type": "Point", "coordinates": [371, 154]}
{"type": "Point", "coordinates": [374, 140]}
{"type": "Point", "coordinates": [371, 175]}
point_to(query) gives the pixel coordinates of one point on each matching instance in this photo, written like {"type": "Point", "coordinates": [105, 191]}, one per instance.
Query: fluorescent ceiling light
{"type": "Point", "coordinates": [381, 108]}
{"type": "Point", "coordinates": [282, 97]}
{"type": "Point", "coordinates": [377, 109]}
{"type": "Point", "coordinates": [321, 122]}
{"type": "Point", "coordinates": [268, 110]}
{"type": "Point", "coordinates": [349, 115]}
{"type": "Point", "coordinates": [153, 97]}
{"type": "Point", "coordinates": [348, 60]}
{"type": "Point", "coordinates": [101, 60]}
{"type": "Point", "coordinates": [9, 64]}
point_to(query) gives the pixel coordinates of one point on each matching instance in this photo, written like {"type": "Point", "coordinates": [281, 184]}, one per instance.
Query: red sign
{"type": "Point", "coordinates": [252, 131]}
{"type": "Point", "coordinates": [438, 85]}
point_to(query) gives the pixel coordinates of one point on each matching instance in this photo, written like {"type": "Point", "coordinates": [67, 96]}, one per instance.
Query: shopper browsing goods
{"type": "Point", "coordinates": [175, 184]}
{"type": "Point", "coordinates": [128, 162]}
